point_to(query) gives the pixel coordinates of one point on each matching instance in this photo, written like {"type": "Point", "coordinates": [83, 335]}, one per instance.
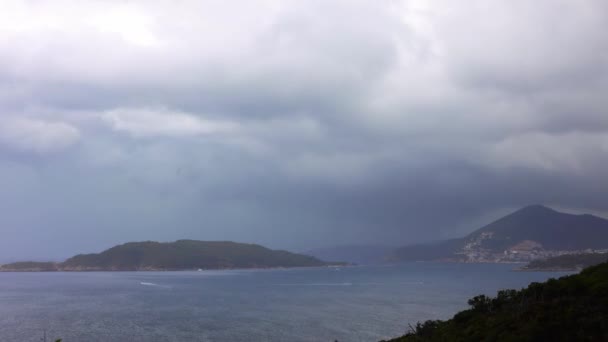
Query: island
{"type": "Point", "coordinates": [571, 308]}
{"type": "Point", "coordinates": [174, 256]}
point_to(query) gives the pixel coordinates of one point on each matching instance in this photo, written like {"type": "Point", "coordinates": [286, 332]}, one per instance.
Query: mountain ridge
{"type": "Point", "coordinates": [529, 231]}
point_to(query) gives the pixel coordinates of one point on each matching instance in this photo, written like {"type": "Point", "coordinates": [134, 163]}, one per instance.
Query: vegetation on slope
{"type": "Point", "coordinates": [178, 255]}
{"type": "Point", "coordinates": [571, 308]}
{"type": "Point", "coordinates": [188, 254]}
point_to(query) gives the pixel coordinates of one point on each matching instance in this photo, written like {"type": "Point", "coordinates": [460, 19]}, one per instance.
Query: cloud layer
{"type": "Point", "coordinates": [294, 124]}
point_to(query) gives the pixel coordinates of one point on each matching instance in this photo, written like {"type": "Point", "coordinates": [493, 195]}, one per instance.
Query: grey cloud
{"type": "Point", "coordinates": [29, 135]}
{"type": "Point", "coordinates": [305, 124]}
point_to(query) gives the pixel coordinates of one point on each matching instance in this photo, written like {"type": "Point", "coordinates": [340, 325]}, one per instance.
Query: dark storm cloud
{"type": "Point", "coordinates": [294, 124]}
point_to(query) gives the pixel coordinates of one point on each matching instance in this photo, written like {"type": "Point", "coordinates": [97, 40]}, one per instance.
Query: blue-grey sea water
{"type": "Point", "coordinates": [364, 303]}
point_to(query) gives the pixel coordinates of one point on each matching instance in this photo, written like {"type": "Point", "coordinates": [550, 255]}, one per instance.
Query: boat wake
{"type": "Point", "coordinates": [153, 284]}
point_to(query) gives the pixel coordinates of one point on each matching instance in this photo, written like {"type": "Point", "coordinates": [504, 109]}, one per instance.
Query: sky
{"type": "Point", "coordinates": [294, 124]}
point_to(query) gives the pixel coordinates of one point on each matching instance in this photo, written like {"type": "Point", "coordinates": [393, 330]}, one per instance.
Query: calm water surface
{"type": "Point", "coordinates": [365, 303]}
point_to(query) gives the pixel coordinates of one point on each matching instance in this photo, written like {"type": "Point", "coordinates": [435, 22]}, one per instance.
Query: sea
{"type": "Point", "coordinates": [358, 303]}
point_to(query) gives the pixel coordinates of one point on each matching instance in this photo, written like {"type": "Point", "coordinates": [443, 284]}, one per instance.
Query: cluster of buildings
{"type": "Point", "coordinates": [523, 251]}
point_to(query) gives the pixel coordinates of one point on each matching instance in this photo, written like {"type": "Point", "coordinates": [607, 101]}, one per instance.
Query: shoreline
{"type": "Point", "coordinates": [550, 269]}
{"type": "Point", "coordinates": [171, 270]}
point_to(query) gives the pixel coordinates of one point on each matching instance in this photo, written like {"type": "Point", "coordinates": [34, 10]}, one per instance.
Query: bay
{"type": "Point", "coordinates": [362, 303]}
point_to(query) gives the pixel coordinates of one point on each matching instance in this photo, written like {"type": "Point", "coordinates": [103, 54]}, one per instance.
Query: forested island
{"type": "Point", "coordinates": [571, 308]}
{"type": "Point", "coordinates": [174, 256]}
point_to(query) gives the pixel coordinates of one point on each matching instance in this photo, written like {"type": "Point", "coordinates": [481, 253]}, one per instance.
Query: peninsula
{"type": "Point", "coordinates": [566, 262]}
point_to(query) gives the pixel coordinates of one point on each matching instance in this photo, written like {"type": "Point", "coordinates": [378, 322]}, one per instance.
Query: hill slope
{"type": "Point", "coordinates": [528, 231]}
{"type": "Point", "coordinates": [553, 229]}
{"type": "Point", "coordinates": [568, 262]}
{"type": "Point", "coordinates": [571, 308]}
{"type": "Point", "coordinates": [179, 255]}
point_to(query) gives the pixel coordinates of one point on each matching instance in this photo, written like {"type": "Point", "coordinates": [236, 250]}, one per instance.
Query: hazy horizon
{"type": "Point", "coordinates": [294, 125]}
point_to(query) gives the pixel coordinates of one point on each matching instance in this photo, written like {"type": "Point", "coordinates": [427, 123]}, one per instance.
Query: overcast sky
{"type": "Point", "coordinates": [294, 124]}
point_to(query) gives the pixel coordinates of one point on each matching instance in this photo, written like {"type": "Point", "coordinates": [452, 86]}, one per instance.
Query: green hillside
{"type": "Point", "coordinates": [572, 308]}
{"type": "Point", "coordinates": [178, 255]}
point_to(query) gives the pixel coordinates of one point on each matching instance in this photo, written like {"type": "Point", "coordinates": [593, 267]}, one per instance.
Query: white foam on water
{"type": "Point", "coordinates": [144, 283]}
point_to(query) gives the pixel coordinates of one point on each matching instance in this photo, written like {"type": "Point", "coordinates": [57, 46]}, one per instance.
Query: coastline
{"type": "Point", "coordinates": [549, 269]}
{"type": "Point", "coordinates": [151, 269]}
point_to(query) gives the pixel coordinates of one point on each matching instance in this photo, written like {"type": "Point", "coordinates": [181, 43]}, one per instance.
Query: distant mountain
{"type": "Point", "coordinates": [355, 254]}
{"type": "Point", "coordinates": [178, 255]}
{"type": "Point", "coordinates": [553, 229]}
{"type": "Point", "coordinates": [567, 262]}
{"type": "Point", "coordinates": [527, 233]}
{"type": "Point", "coordinates": [433, 251]}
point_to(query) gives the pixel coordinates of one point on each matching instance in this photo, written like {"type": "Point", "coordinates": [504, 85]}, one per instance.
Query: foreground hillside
{"type": "Point", "coordinates": [533, 232]}
{"type": "Point", "coordinates": [178, 255]}
{"type": "Point", "coordinates": [571, 308]}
